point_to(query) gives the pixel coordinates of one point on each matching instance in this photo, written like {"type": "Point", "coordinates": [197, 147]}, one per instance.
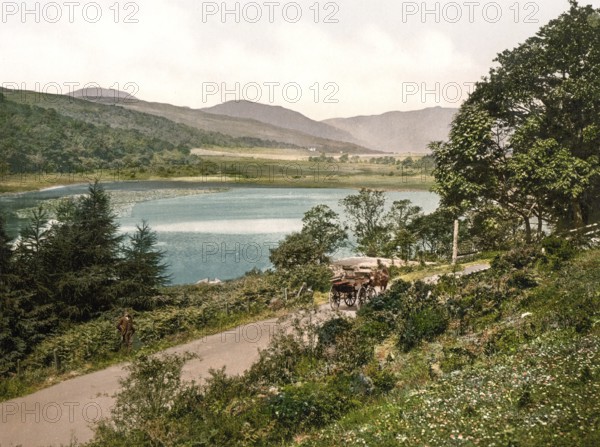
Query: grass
{"type": "Point", "coordinates": [422, 272]}
{"type": "Point", "coordinates": [523, 371]}
{"type": "Point", "coordinates": [232, 169]}
{"type": "Point", "coordinates": [541, 396]}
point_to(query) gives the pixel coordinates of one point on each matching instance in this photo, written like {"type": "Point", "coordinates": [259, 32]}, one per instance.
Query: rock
{"type": "Point", "coordinates": [435, 371]}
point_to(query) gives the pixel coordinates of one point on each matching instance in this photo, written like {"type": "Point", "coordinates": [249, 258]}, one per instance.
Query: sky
{"type": "Point", "coordinates": [323, 59]}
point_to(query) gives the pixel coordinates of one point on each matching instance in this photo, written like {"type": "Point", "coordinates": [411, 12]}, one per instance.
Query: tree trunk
{"type": "Point", "coordinates": [527, 230]}
{"type": "Point", "coordinates": [455, 243]}
{"type": "Point", "coordinates": [577, 214]}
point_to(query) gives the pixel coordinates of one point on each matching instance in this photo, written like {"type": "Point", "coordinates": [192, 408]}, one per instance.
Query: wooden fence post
{"type": "Point", "coordinates": [455, 243]}
{"type": "Point", "coordinates": [56, 363]}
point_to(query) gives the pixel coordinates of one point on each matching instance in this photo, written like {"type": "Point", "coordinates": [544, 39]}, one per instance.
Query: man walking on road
{"type": "Point", "coordinates": [126, 329]}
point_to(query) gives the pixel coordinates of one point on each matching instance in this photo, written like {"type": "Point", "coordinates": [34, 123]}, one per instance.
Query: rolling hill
{"type": "Point", "coordinates": [398, 131]}
{"type": "Point", "coordinates": [280, 117]}
{"type": "Point", "coordinates": [241, 127]}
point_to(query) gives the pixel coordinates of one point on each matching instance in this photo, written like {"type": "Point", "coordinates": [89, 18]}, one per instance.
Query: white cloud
{"type": "Point", "coordinates": [372, 54]}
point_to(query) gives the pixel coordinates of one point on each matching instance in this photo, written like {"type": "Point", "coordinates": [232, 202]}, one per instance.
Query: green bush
{"type": "Point", "coordinates": [424, 324]}
{"type": "Point", "coordinates": [331, 330]}
{"type": "Point", "coordinates": [557, 251]}
{"type": "Point", "coordinates": [312, 404]}
{"type": "Point", "coordinates": [456, 358]}
{"type": "Point", "coordinates": [518, 258]}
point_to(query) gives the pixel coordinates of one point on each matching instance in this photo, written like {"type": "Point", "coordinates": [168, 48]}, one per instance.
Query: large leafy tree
{"type": "Point", "coordinates": [322, 224]}
{"type": "Point", "coordinates": [366, 214]}
{"type": "Point", "coordinates": [528, 138]}
{"type": "Point", "coordinates": [399, 221]}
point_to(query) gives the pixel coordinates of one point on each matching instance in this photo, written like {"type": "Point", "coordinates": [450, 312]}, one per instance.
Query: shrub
{"type": "Point", "coordinates": [557, 251]}
{"type": "Point", "coordinates": [424, 324]}
{"type": "Point", "coordinates": [312, 404]}
{"type": "Point", "coordinates": [518, 258]}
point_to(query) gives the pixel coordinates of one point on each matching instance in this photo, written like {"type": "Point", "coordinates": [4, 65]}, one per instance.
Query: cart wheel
{"type": "Point", "coordinates": [350, 299]}
{"type": "Point", "coordinates": [361, 297]}
{"type": "Point", "coordinates": [334, 299]}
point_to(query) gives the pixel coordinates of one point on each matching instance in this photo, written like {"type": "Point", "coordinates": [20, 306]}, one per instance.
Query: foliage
{"type": "Point", "coordinates": [142, 270]}
{"type": "Point", "coordinates": [54, 133]}
{"type": "Point", "coordinates": [526, 140]}
{"type": "Point", "coordinates": [365, 212]}
{"type": "Point", "coordinates": [322, 224]}
{"type": "Point", "coordinates": [296, 249]}
{"type": "Point", "coordinates": [72, 270]}
{"type": "Point", "coordinates": [310, 276]}
{"type": "Point", "coordinates": [525, 369]}
{"type": "Point", "coordinates": [150, 395]}
{"type": "Point", "coordinates": [311, 404]}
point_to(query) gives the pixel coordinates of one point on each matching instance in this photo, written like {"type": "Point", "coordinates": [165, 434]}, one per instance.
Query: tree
{"type": "Point", "coordinates": [5, 251]}
{"type": "Point", "coordinates": [402, 214]}
{"type": "Point", "coordinates": [142, 270]}
{"type": "Point", "coordinates": [365, 211]}
{"type": "Point", "coordinates": [21, 323]}
{"type": "Point", "coordinates": [434, 232]}
{"type": "Point", "coordinates": [399, 222]}
{"type": "Point", "coordinates": [81, 255]}
{"type": "Point", "coordinates": [296, 249]}
{"type": "Point", "coordinates": [537, 108]}
{"type": "Point", "coordinates": [298, 260]}
{"type": "Point", "coordinates": [322, 224]}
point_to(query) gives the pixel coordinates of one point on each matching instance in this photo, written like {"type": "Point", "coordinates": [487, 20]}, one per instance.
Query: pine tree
{"type": "Point", "coordinates": [142, 270]}
{"type": "Point", "coordinates": [12, 346]}
{"type": "Point", "coordinates": [81, 255]}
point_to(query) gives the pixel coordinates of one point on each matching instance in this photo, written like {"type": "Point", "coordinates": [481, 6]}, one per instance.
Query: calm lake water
{"type": "Point", "coordinates": [216, 235]}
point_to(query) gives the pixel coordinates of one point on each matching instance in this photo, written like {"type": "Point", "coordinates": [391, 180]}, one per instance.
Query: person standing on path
{"type": "Point", "coordinates": [126, 329]}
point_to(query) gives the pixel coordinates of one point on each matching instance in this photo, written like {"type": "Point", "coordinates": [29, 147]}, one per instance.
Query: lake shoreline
{"type": "Point", "coordinates": [223, 184]}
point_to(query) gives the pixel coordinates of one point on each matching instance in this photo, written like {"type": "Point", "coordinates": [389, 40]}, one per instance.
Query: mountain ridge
{"type": "Point", "coordinates": [281, 117]}
{"type": "Point", "coordinates": [393, 131]}
{"type": "Point", "coordinates": [399, 131]}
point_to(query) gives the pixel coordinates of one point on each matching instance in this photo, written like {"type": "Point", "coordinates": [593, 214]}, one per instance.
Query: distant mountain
{"type": "Point", "coordinates": [36, 139]}
{"type": "Point", "coordinates": [280, 117]}
{"type": "Point", "coordinates": [260, 124]}
{"type": "Point", "coordinates": [241, 127]}
{"type": "Point", "coordinates": [98, 93]}
{"type": "Point", "coordinates": [398, 131]}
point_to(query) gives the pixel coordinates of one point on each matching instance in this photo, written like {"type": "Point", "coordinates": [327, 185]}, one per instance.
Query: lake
{"type": "Point", "coordinates": [212, 235]}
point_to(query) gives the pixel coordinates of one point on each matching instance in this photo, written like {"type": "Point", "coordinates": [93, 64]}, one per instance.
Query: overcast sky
{"type": "Point", "coordinates": [323, 59]}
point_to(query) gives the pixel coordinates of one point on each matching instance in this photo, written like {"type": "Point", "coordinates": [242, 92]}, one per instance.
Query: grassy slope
{"type": "Point", "coordinates": [525, 374]}
{"type": "Point", "coordinates": [118, 117]}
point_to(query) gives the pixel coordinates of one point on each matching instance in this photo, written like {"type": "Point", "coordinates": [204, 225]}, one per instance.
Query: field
{"type": "Point", "coordinates": [264, 167]}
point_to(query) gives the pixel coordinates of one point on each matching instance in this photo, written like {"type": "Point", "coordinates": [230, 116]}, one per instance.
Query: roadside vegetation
{"type": "Point", "coordinates": [507, 356]}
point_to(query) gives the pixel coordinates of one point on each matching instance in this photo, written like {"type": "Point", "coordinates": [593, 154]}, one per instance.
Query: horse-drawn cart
{"type": "Point", "coordinates": [353, 287]}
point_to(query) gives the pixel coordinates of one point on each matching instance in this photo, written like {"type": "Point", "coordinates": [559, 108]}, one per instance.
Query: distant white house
{"type": "Point", "coordinates": [208, 281]}
{"type": "Point", "coordinates": [312, 149]}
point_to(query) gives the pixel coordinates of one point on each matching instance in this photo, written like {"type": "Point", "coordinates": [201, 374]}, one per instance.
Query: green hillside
{"type": "Point", "coordinates": [53, 132]}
